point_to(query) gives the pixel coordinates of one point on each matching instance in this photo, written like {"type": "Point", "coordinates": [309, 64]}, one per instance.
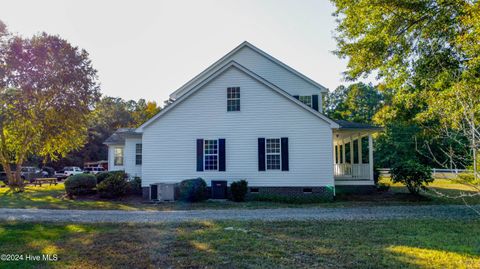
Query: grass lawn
{"type": "Point", "coordinates": [238, 244]}
{"type": "Point", "coordinates": [53, 197]}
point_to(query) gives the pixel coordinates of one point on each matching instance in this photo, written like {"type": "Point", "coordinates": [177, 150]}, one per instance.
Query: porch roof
{"type": "Point", "coordinates": [350, 125]}
{"type": "Point", "coordinates": [119, 136]}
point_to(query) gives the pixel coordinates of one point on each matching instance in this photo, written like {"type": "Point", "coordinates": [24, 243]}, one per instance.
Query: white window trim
{"type": "Point", "coordinates": [234, 99]}
{"type": "Point", "coordinates": [279, 154]}
{"type": "Point", "coordinates": [205, 154]}
{"type": "Point", "coordinates": [137, 154]}
{"type": "Point", "coordinates": [115, 156]}
{"type": "Point", "coordinates": [304, 102]}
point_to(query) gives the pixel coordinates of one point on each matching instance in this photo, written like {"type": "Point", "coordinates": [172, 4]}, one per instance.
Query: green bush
{"type": "Point", "coordinates": [193, 190]}
{"type": "Point", "coordinates": [135, 186]}
{"type": "Point", "coordinates": [104, 175]}
{"type": "Point", "coordinates": [113, 186]}
{"type": "Point", "coordinates": [239, 189]}
{"type": "Point", "coordinates": [80, 184]}
{"type": "Point", "coordinates": [413, 174]}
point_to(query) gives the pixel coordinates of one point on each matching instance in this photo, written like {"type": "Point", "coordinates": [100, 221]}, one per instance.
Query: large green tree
{"type": "Point", "coordinates": [358, 102]}
{"type": "Point", "coordinates": [47, 88]}
{"type": "Point", "coordinates": [108, 114]}
{"type": "Point", "coordinates": [427, 52]}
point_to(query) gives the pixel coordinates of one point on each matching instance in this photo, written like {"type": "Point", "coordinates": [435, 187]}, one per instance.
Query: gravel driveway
{"type": "Point", "coordinates": [353, 213]}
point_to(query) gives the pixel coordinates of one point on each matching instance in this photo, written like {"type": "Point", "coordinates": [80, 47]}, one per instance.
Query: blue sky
{"type": "Point", "coordinates": [147, 49]}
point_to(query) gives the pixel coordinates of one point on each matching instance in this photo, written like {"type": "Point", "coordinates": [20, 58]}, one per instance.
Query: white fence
{"type": "Point", "coordinates": [437, 172]}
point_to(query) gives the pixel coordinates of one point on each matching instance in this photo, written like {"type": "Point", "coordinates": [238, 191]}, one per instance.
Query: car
{"type": "Point", "coordinates": [71, 170]}
{"type": "Point", "coordinates": [93, 170]}
{"type": "Point", "coordinates": [30, 173]}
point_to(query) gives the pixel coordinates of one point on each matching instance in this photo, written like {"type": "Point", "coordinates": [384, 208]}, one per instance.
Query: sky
{"type": "Point", "coordinates": [148, 49]}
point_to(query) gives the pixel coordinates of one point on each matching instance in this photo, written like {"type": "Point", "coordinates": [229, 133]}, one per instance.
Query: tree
{"type": "Point", "coordinates": [358, 102]}
{"type": "Point", "coordinates": [108, 114]}
{"type": "Point", "coordinates": [427, 51]}
{"type": "Point", "coordinates": [47, 88]}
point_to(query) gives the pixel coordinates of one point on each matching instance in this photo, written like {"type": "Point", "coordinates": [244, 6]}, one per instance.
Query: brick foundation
{"type": "Point", "coordinates": [322, 192]}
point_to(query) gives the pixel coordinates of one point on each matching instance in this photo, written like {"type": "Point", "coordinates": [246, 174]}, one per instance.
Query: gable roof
{"type": "Point", "coordinates": [118, 137]}
{"type": "Point", "coordinates": [225, 58]}
{"type": "Point", "coordinates": [225, 67]}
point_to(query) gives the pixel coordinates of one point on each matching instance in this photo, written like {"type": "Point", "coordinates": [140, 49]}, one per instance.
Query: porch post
{"type": "Point", "coordinates": [351, 150]}
{"type": "Point", "coordinates": [343, 151]}
{"type": "Point", "coordinates": [370, 155]}
{"type": "Point", "coordinates": [359, 149]}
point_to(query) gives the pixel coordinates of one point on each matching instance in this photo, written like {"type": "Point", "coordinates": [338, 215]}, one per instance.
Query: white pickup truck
{"type": "Point", "coordinates": [68, 171]}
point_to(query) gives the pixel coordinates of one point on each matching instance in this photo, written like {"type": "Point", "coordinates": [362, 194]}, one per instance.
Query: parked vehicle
{"type": "Point", "coordinates": [72, 170]}
{"type": "Point", "coordinates": [93, 170]}
{"type": "Point", "coordinates": [48, 171]}
{"type": "Point", "coordinates": [60, 175]}
{"type": "Point", "coordinates": [30, 173]}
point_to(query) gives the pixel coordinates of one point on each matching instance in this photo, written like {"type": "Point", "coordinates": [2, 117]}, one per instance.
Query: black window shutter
{"type": "Point", "coordinates": [199, 154]}
{"type": "Point", "coordinates": [315, 102]}
{"type": "Point", "coordinates": [284, 153]}
{"type": "Point", "coordinates": [261, 154]}
{"type": "Point", "coordinates": [296, 97]}
{"type": "Point", "coordinates": [221, 154]}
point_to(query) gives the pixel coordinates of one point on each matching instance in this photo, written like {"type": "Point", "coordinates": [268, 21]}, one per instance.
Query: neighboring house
{"type": "Point", "coordinates": [248, 116]}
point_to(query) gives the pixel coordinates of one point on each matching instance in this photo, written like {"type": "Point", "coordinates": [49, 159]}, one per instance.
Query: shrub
{"type": "Point", "coordinates": [413, 174]}
{"type": "Point", "coordinates": [193, 190]}
{"type": "Point", "coordinates": [80, 184]}
{"type": "Point", "coordinates": [113, 186]}
{"type": "Point", "coordinates": [135, 186]}
{"type": "Point", "coordinates": [239, 189]}
{"type": "Point", "coordinates": [104, 175]}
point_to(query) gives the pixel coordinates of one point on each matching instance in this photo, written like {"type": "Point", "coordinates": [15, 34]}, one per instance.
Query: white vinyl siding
{"type": "Point", "coordinates": [169, 143]}
{"type": "Point", "coordinates": [131, 167]}
{"type": "Point", "coordinates": [270, 71]}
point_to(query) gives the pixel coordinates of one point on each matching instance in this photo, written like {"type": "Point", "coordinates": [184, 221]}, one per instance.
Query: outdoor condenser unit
{"type": "Point", "coordinates": [162, 192]}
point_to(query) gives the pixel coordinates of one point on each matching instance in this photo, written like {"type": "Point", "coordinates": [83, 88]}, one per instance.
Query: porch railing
{"type": "Point", "coordinates": [352, 171]}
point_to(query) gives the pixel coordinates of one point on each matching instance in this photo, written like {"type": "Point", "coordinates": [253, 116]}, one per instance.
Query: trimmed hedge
{"type": "Point", "coordinates": [80, 184]}
{"type": "Point", "coordinates": [135, 186]}
{"type": "Point", "coordinates": [239, 190]}
{"type": "Point", "coordinates": [104, 175]}
{"type": "Point", "coordinates": [193, 190]}
{"type": "Point", "coordinates": [114, 186]}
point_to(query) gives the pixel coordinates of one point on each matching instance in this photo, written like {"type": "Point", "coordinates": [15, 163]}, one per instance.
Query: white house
{"type": "Point", "coordinates": [248, 116]}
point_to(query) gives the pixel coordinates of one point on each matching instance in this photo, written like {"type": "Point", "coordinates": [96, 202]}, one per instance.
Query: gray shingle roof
{"type": "Point", "coordinates": [119, 136]}
{"type": "Point", "coordinates": [355, 125]}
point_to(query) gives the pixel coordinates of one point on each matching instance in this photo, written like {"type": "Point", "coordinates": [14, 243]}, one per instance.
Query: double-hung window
{"type": "Point", "coordinates": [138, 154]}
{"type": "Point", "coordinates": [233, 99]}
{"type": "Point", "coordinates": [118, 156]}
{"type": "Point", "coordinates": [306, 99]}
{"type": "Point", "coordinates": [273, 153]}
{"type": "Point", "coordinates": [210, 154]}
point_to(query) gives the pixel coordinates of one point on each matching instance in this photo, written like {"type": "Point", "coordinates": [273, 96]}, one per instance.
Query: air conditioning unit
{"type": "Point", "coordinates": [162, 192]}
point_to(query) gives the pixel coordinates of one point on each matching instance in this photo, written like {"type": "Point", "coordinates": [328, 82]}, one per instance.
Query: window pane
{"type": "Point", "coordinates": [307, 100]}
{"type": "Point", "coordinates": [211, 154]}
{"type": "Point", "coordinates": [233, 99]}
{"type": "Point", "coordinates": [118, 156]}
{"type": "Point", "coordinates": [273, 145]}
{"type": "Point", "coordinates": [273, 162]}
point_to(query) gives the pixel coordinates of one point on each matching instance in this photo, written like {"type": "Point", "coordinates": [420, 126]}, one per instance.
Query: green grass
{"type": "Point", "coordinates": [53, 197]}
{"type": "Point", "coordinates": [239, 244]}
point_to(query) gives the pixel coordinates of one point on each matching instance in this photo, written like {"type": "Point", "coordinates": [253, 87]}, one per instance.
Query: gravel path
{"type": "Point", "coordinates": [354, 213]}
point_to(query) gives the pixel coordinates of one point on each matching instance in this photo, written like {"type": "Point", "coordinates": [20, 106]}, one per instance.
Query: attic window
{"type": "Point", "coordinates": [306, 99]}
{"type": "Point", "coordinates": [233, 99]}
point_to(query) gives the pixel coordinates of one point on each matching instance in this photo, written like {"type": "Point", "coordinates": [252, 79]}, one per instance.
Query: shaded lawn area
{"type": "Point", "coordinates": [52, 197]}
{"type": "Point", "coordinates": [239, 244]}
